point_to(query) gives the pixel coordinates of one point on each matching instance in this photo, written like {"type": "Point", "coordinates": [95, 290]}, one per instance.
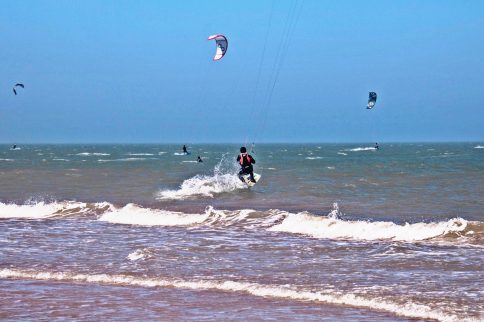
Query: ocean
{"type": "Point", "coordinates": [332, 232]}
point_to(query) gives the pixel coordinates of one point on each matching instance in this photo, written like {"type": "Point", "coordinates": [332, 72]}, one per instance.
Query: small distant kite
{"type": "Point", "coordinates": [371, 100]}
{"type": "Point", "coordinates": [17, 85]}
{"type": "Point", "coordinates": [222, 45]}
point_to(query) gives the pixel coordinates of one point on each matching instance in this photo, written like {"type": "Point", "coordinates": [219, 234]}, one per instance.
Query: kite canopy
{"type": "Point", "coordinates": [17, 85]}
{"type": "Point", "coordinates": [222, 44]}
{"type": "Point", "coordinates": [371, 100]}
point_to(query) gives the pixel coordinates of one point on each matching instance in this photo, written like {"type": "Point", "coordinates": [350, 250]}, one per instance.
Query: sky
{"type": "Point", "coordinates": [295, 71]}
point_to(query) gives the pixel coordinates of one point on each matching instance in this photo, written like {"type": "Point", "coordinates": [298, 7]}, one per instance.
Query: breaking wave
{"type": "Point", "coordinates": [368, 148]}
{"type": "Point", "coordinates": [224, 179]}
{"type": "Point", "coordinates": [288, 292]}
{"type": "Point", "coordinates": [479, 147]}
{"type": "Point", "coordinates": [122, 160]}
{"type": "Point", "coordinates": [92, 154]}
{"type": "Point", "coordinates": [132, 214]}
{"type": "Point", "coordinates": [39, 210]}
{"type": "Point", "coordinates": [331, 227]}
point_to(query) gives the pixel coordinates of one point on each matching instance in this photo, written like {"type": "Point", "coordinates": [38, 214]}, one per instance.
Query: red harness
{"type": "Point", "coordinates": [242, 158]}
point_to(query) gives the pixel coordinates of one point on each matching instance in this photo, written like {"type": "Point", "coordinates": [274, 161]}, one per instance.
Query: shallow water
{"type": "Point", "coordinates": [331, 232]}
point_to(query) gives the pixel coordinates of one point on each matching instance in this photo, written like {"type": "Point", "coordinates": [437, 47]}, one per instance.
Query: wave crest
{"type": "Point", "coordinates": [331, 227]}
{"type": "Point", "coordinates": [132, 214]}
{"type": "Point", "coordinates": [39, 210]}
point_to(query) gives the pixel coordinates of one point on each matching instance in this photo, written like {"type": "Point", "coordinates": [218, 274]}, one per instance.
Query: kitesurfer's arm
{"type": "Point", "coordinates": [252, 160]}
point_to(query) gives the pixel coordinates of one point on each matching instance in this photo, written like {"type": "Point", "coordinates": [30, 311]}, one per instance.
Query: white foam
{"type": "Point", "coordinates": [139, 154]}
{"type": "Point", "coordinates": [180, 153]}
{"type": "Point", "coordinates": [43, 210]}
{"type": "Point", "coordinates": [334, 228]}
{"type": "Point", "coordinates": [93, 154]}
{"type": "Point", "coordinates": [161, 152]}
{"type": "Point", "coordinates": [326, 295]}
{"type": "Point", "coordinates": [132, 214]}
{"type": "Point", "coordinates": [342, 153]}
{"type": "Point", "coordinates": [313, 158]}
{"type": "Point", "coordinates": [65, 160]}
{"type": "Point", "coordinates": [479, 147]}
{"type": "Point", "coordinates": [368, 148]}
{"type": "Point", "coordinates": [122, 160]}
{"type": "Point", "coordinates": [138, 254]}
{"type": "Point", "coordinates": [7, 160]}
{"type": "Point", "coordinates": [190, 162]}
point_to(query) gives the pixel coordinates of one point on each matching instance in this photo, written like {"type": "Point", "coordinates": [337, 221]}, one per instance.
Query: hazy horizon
{"type": "Point", "coordinates": [238, 143]}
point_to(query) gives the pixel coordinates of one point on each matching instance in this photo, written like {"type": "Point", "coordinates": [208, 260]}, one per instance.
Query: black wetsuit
{"type": "Point", "coordinates": [246, 165]}
{"type": "Point", "coordinates": [185, 150]}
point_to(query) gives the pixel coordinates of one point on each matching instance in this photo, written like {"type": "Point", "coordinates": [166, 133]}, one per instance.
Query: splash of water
{"type": "Point", "coordinates": [224, 179]}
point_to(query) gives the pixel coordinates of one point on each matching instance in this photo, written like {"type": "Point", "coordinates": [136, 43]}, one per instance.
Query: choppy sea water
{"type": "Point", "coordinates": [331, 232]}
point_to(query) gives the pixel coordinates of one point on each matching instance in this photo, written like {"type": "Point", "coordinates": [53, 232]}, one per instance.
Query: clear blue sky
{"type": "Point", "coordinates": [142, 71]}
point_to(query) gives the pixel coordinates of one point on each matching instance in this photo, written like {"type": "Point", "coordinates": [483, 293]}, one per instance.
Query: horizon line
{"type": "Point", "coordinates": [226, 143]}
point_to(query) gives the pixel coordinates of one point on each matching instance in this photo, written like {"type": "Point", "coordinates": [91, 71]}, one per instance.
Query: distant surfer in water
{"type": "Point", "coordinates": [377, 146]}
{"type": "Point", "coordinates": [246, 160]}
{"type": "Point", "coordinates": [199, 159]}
{"type": "Point", "coordinates": [185, 149]}
{"type": "Point", "coordinates": [14, 146]}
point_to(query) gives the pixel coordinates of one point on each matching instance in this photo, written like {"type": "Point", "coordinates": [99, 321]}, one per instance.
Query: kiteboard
{"type": "Point", "coordinates": [246, 178]}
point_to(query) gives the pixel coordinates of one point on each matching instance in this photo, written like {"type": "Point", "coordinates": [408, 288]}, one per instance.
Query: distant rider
{"type": "Point", "coordinates": [377, 147]}
{"type": "Point", "coordinates": [185, 149]}
{"type": "Point", "coordinates": [246, 160]}
{"type": "Point", "coordinates": [199, 159]}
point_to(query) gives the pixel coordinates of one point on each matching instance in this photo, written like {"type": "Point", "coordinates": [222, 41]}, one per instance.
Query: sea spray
{"type": "Point", "coordinates": [224, 179]}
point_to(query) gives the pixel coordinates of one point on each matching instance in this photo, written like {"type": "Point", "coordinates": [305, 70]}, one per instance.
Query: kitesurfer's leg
{"type": "Point", "coordinates": [241, 172]}
{"type": "Point", "coordinates": [252, 177]}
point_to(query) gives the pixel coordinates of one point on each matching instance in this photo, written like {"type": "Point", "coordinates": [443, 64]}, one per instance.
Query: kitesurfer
{"type": "Point", "coordinates": [185, 149]}
{"type": "Point", "coordinates": [246, 160]}
{"type": "Point", "coordinates": [199, 159]}
{"type": "Point", "coordinates": [377, 147]}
